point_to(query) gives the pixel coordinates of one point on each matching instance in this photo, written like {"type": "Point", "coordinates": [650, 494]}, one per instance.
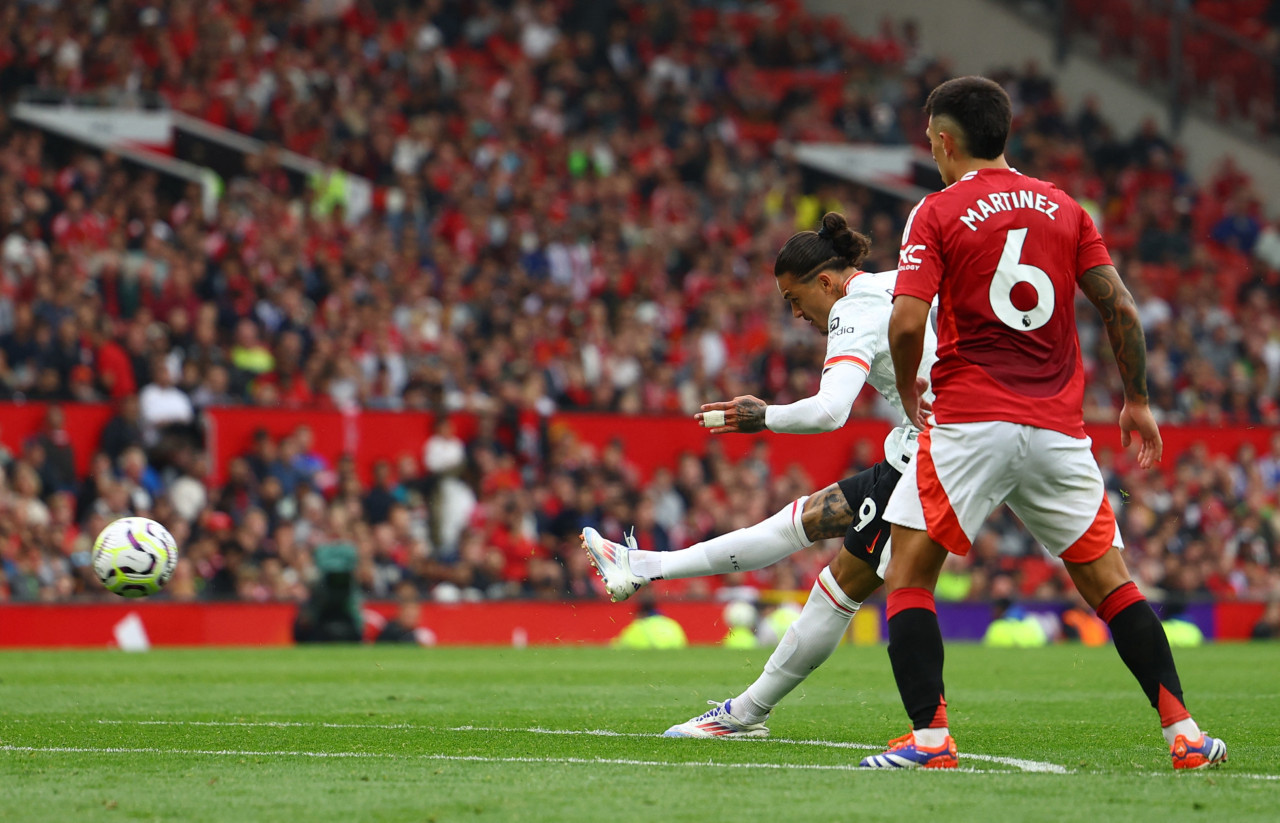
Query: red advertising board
{"type": "Point", "coordinates": [52, 625]}
{"type": "Point", "coordinates": [47, 625]}
{"type": "Point", "coordinates": [83, 421]}
{"type": "Point", "coordinates": [649, 441]}
{"type": "Point", "coordinates": [498, 623]}
{"type": "Point", "coordinates": [1235, 621]}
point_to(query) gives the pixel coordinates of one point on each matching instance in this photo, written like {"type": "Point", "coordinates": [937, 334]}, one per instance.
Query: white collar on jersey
{"type": "Point", "coordinates": [972, 174]}
{"type": "Point", "coordinates": [849, 282]}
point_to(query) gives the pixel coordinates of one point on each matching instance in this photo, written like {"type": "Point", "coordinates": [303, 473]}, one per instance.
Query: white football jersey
{"type": "Point", "coordinates": [858, 333]}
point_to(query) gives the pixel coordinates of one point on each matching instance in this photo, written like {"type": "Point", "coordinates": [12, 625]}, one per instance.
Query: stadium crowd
{"type": "Point", "coordinates": [579, 205]}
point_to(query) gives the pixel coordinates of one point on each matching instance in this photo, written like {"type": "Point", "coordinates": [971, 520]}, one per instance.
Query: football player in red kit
{"type": "Point", "coordinates": [1003, 254]}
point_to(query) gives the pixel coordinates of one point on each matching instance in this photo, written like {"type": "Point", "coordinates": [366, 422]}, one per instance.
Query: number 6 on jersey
{"type": "Point", "coordinates": [1016, 310]}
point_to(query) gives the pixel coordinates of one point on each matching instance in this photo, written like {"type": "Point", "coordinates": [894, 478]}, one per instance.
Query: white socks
{"type": "Point", "coordinates": [1187, 728]}
{"type": "Point", "coordinates": [754, 547]}
{"type": "Point", "coordinates": [807, 644]}
{"type": "Point", "coordinates": [931, 738]}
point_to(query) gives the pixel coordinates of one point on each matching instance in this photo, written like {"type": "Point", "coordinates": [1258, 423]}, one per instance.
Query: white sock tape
{"type": "Point", "coordinates": [712, 419]}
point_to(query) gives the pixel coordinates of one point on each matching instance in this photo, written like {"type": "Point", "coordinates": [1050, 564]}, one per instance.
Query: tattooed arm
{"type": "Point", "coordinates": [825, 411]}
{"type": "Point", "coordinates": [1103, 287]}
{"type": "Point", "coordinates": [743, 414]}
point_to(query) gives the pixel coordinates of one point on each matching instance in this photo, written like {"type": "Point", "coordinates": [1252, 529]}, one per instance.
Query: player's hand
{"type": "Point", "coordinates": [1138, 417]}
{"type": "Point", "coordinates": [926, 408]}
{"type": "Point", "coordinates": [741, 414]}
{"type": "Point", "coordinates": [914, 404]}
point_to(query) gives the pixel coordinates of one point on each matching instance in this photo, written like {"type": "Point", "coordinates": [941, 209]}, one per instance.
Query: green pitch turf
{"type": "Point", "coordinates": [571, 734]}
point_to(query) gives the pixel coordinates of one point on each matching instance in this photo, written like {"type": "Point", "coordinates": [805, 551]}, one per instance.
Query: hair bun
{"type": "Point", "coordinates": [833, 247]}
{"type": "Point", "coordinates": [844, 241]}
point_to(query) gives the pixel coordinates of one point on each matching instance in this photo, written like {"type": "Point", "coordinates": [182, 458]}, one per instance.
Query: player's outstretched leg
{"type": "Point", "coordinates": [836, 596]}
{"type": "Point", "coordinates": [807, 644]}
{"type": "Point", "coordinates": [1141, 642]}
{"type": "Point", "coordinates": [627, 569]}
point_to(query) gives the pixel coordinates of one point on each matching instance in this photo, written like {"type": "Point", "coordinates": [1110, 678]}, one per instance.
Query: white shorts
{"type": "Point", "coordinates": [964, 471]}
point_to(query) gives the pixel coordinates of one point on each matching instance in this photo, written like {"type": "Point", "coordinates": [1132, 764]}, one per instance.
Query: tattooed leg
{"type": "Point", "coordinates": [827, 514]}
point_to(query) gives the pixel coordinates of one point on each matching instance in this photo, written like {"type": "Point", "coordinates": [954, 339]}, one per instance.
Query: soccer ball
{"type": "Point", "coordinates": [134, 556]}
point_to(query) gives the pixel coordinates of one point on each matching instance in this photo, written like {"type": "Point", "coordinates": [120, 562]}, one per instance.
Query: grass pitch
{"type": "Point", "coordinates": [572, 734]}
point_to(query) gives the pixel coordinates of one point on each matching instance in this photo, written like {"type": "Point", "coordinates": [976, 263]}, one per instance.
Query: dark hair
{"type": "Point", "coordinates": [809, 253]}
{"type": "Point", "coordinates": [980, 107]}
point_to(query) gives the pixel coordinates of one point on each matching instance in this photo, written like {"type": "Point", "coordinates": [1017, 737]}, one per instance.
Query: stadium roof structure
{"type": "Point", "coordinates": [138, 135]}
{"type": "Point", "coordinates": [907, 172]}
{"type": "Point", "coordinates": [151, 134]}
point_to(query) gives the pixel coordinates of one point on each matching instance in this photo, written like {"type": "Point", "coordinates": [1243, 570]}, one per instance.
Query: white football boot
{"type": "Point", "coordinates": [612, 564]}
{"type": "Point", "coordinates": [718, 722]}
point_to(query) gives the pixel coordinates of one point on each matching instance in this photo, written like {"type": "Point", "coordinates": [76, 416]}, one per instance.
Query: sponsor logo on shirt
{"type": "Point", "coordinates": [836, 329]}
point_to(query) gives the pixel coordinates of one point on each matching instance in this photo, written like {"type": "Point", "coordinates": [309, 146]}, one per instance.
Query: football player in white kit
{"type": "Point", "coordinates": [817, 274]}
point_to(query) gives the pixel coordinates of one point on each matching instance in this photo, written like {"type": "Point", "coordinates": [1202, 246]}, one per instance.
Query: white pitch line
{"type": "Point", "coordinates": [1032, 766]}
{"type": "Point", "coordinates": [591, 761]}
{"type": "Point", "coordinates": [272, 724]}
{"type": "Point", "coordinates": [1016, 762]}
{"type": "Point", "coordinates": [1037, 766]}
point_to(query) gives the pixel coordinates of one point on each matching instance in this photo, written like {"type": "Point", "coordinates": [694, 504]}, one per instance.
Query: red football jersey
{"type": "Point", "coordinates": [1002, 252]}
